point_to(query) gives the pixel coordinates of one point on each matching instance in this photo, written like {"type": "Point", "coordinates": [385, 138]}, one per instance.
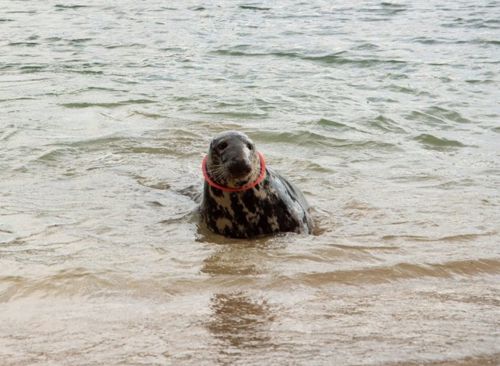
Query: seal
{"type": "Point", "coordinates": [243, 198]}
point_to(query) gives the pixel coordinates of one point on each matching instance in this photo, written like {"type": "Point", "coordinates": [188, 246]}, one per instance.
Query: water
{"type": "Point", "coordinates": [386, 114]}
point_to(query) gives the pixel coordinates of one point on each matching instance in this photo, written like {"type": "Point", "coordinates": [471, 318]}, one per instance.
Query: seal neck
{"type": "Point", "coordinates": [247, 186]}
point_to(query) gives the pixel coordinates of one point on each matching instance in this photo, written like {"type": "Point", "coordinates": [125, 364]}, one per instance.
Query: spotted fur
{"type": "Point", "coordinates": [272, 206]}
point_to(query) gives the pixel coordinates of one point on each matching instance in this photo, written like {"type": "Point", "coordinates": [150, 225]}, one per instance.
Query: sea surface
{"type": "Point", "coordinates": [385, 113]}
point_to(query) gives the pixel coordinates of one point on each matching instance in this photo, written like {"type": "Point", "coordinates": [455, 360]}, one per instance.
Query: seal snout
{"type": "Point", "coordinates": [239, 168]}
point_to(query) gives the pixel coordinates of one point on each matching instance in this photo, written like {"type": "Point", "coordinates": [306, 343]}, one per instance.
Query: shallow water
{"type": "Point", "coordinates": [386, 114]}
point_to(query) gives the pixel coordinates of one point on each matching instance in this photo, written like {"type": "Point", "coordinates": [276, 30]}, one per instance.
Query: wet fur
{"type": "Point", "coordinates": [272, 206]}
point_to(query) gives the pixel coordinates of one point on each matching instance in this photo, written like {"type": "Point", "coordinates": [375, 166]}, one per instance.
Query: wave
{"type": "Point", "coordinates": [106, 105]}
{"type": "Point", "coordinates": [76, 6]}
{"type": "Point", "coordinates": [83, 282]}
{"type": "Point", "coordinates": [437, 143]}
{"type": "Point", "coordinates": [452, 238]}
{"type": "Point", "coordinates": [329, 59]}
{"type": "Point", "coordinates": [26, 44]}
{"type": "Point", "coordinates": [254, 7]}
{"type": "Point", "coordinates": [308, 138]}
{"type": "Point", "coordinates": [402, 271]}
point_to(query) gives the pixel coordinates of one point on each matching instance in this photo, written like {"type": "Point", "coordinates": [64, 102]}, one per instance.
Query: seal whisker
{"type": "Point", "coordinates": [218, 172]}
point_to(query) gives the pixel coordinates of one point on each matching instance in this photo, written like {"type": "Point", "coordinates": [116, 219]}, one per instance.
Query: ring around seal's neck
{"type": "Point", "coordinates": [245, 187]}
{"type": "Point", "coordinates": [232, 163]}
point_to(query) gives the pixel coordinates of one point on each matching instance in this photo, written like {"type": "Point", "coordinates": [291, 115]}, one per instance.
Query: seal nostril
{"type": "Point", "coordinates": [240, 168]}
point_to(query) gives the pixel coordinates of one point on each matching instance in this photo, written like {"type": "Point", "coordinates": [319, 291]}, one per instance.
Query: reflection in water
{"type": "Point", "coordinates": [238, 321]}
{"type": "Point", "coordinates": [230, 261]}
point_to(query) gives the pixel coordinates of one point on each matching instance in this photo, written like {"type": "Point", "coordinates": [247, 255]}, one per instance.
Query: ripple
{"type": "Point", "coordinates": [367, 46]}
{"type": "Point", "coordinates": [83, 71]}
{"type": "Point", "coordinates": [393, 5]}
{"type": "Point", "coordinates": [154, 184]}
{"type": "Point", "coordinates": [22, 12]}
{"type": "Point", "coordinates": [404, 89]}
{"type": "Point", "coordinates": [253, 7]}
{"type": "Point", "coordinates": [66, 282]}
{"type": "Point", "coordinates": [28, 69]}
{"type": "Point", "coordinates": [328, 59]}
{"type": "Point", "coordinates": [296, 138]}
{"type": "Point", "coordinates": [25, 44]}
{"type": "Point", "coordinates": [447, 114]}
{"type": "Point", "coordinates": [238, 115]}
{"type": "Point", "coordinates": [198, 8]}
{"type": "Point", "coordinates": [386, 124]}
{"type": "Point", "coordinates": [448, 238]}
{"type": "Point", "coordinates": [125, 45]}
{"type": "Point", "coordinates": [80, 105]}
{"type": "Point", "coordinates": [147, 114]}
{"type": "Point", "coordinates": [98, 88]}
{"type": "Point", "coordinates": [437, 143]}
{"type": "Point", "coordinates": [79, 40]}
{"type": "Point", "coordinates": [76, 6]}
{"type": "Point", "coordinates": [100, 143]}
{"type": "Point", "coordinates": [403, 271]}
{"type": "Point", "coordinates": [308, 138]}
{"type": "Point", "coordinates": [54, 154]}
{"type": "Point", "coordinates": [14, 99]}
{"type": "Point", "coordinates": [333, 124]}
{"type": "Point", "coordinates": [336, 59]}
{"type": "Point", "coordinates": [485, 360]}
{"type": "Point", "coordinates": [153, 150]}
{"type": "Point", "coordinates": [425, 40]}
{"type": "Point", "coordinates": [438, 116]}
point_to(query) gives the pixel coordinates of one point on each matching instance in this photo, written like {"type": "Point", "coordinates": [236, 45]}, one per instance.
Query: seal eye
{"type": "Point", "coordinates": [250, 146]}
{"type": "Point", "coordinates": [222, 146]}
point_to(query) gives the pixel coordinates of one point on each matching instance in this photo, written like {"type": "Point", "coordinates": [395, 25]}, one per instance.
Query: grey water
{"type": "Point", "coordinates": [385, 113]}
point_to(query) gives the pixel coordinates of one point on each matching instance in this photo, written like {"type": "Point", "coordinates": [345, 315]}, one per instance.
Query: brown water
{"type": "Point", "coordinates": [385, 114]}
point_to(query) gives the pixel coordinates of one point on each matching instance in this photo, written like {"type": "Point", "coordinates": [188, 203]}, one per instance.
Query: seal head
{"type": "Point", "coordinates": [242, 198]}
{"type": "Point", "coordinates": [232, 160]}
